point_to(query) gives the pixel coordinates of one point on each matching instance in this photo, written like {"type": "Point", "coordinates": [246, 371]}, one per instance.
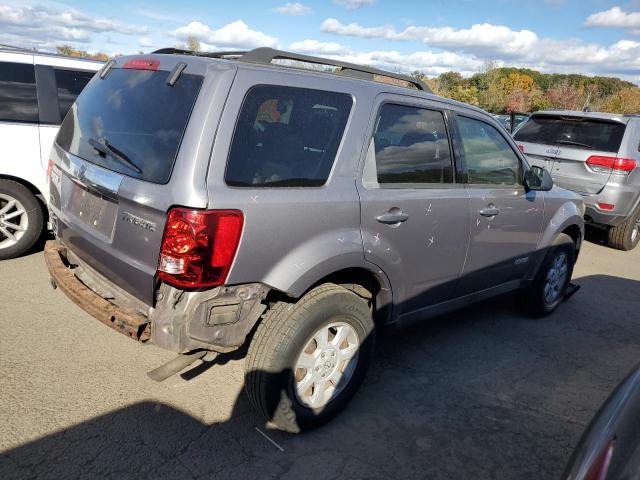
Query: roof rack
{"type": "Point", "coordinates": [266, 55]}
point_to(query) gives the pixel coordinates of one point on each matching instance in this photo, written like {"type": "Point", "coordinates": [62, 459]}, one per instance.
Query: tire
{"type": "Point", "coordinates": [281, 337]}
{"type": "Point", "coordinates": [626, 236]}
{"type": "Point", "coordinates": [537, 302]}
{"type": "Point", "coordinates": [15, 197]}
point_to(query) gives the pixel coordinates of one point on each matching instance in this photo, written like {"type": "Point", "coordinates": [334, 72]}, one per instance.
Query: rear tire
{"type": "Point", "coordinates": [21, 219]}
{"type": "Point", "coordinates": [286, 339]}
{"type": "Point", "coordinates": [626, 236]}
{"type": "Point", "coordinates": [554, 275]}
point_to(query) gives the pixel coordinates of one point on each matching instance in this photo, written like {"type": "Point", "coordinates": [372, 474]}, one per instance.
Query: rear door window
{"type": "Point", "coordinates": [131, 122]}
{"type": "Point", "coordinates": [488, 156]}
{"type": "Point", "coordinates": [411, 146]}
{"type": "Point", "coordinates": [70, 83]}
{"type": "Point", "coordinates": [580, 133]}
{"type": "Point", "coordinates": [18, 96]}
{"type": "Point", "coordinates": [286, 137]}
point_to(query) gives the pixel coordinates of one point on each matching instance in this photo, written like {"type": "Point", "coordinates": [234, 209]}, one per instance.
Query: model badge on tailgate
{"type": "Point", "coordinates": [139, 222]}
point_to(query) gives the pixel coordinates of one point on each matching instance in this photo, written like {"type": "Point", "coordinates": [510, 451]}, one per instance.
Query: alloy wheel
{"type": "Point", "coordinates": [14, 221]}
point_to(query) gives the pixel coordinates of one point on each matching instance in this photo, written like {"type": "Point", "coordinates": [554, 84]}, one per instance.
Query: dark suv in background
{"type": "Point", "coordinates": [201, 201]}
{"type": "Point", "coordinates": [596, 155]}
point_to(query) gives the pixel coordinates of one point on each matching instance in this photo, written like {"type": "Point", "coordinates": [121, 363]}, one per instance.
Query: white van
{"type": "Point", "coordinates": [36, 91]}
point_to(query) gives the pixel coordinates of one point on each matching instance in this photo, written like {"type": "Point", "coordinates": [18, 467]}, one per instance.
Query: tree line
{"type": "Point", "coordinates": [503, 90]}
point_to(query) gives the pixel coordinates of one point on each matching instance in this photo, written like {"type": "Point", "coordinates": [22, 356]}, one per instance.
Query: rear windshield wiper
{"type": "Point", "coordinates": [577, 144]}
{"type": "Point", "coordinates": [104, 148]}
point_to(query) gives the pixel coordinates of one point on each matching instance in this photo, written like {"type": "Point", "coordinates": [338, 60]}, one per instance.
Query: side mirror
{"type": "Point", "coordinates": [538, 179]}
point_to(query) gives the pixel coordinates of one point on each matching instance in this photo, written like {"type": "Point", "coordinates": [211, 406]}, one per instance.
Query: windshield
{"type": "Point", "coordinates": [131, 122]}
{"type": "Point", "coordinates": [580, 133]}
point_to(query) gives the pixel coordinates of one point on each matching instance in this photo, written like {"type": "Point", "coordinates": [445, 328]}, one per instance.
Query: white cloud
{"type": "Point", "coordinates": [295, 9]}
{"type": "Point", "coordinates": [353, 4]}
{"type": "Point", "coordinates": [427, 62]}
{"type": "Point", "coordinates": [481, 38]}
{"type": "Point", "coordinates": [233, 35]}
{"type": "Point", "coordinates": [480, 42]}
{"type": "Point", "coordinates": [319, 48]}
{"type": "Point", "coordinates": [47, 25]}
{"type": "Point", "coordinates": [615, 17]}
{"type": "Point", "coordinates": [146, 42]}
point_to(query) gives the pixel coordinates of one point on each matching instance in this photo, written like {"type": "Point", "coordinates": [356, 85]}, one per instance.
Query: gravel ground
{"type": "Point", "coordinates": [482, 393]}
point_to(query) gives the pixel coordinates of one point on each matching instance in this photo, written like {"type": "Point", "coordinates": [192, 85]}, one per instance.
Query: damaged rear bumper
{"type": "Point", "coordinates": [133, 325]}
{"type": "Point", "coordinates": [218, 319]}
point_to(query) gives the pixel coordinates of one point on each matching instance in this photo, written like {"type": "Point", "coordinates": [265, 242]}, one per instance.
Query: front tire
{"type": "Point", "coordinates": [21, 219]}
{"type": "Point", "coordinates": [554, 275]}
{"type": "Point", "coordinates": [307, 359]}
{"type": "Point", "coordinates": [626, 236]}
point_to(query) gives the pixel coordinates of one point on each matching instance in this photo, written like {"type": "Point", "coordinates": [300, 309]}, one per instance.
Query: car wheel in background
{"type": "Point", "coordinates": [21, 219]}
{"type": "Point", "coordinates": [550, 284]}
{"type": "Point", "coordinates": [307, 359]}
{"type": "Point", "coordinates": [626, 236]}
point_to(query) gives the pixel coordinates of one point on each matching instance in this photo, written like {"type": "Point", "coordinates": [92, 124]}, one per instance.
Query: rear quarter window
{"type": "Point", "coordinates": [18, 97]}
{"type": "Point", "coordinates": [286, 137]}
{"type": "Point", "coordinates": [579, 133]}
{"type": "Point", "coordinates": [69, 85]}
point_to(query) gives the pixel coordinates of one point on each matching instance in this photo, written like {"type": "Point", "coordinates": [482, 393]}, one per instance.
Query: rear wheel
{"type": "Point", "coordinates": [626, 236]}
{"type": "Point", "coordinates": [21, 219]}
{"type": "Point", "coordinates": [551, 282]}
{"type": "Point", "coordinates": [307, 359]}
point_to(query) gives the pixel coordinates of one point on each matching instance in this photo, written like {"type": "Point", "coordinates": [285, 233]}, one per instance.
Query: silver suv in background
{"type": "Point", "coordinates": [596, 155]}
{"type": "Point", "coordinates": [202, 201]}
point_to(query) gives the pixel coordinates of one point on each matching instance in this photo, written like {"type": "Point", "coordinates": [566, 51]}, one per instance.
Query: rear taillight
{"type": "Point", "coordinates": [198, 246]}
{"type": "Point", "coordinates": [617, 165]}
{"type": "Point", "coordinates": [50, 168]}
{"type": "Point", "coordinates": [599, 468]}
{"type": "Point", "coordinates": [521, 147]}
{"type": "Point", "coordinates": [142, 64]}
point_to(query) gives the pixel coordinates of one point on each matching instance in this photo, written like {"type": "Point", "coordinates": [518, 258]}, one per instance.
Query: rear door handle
{"type": "Point", "coordinates": [392, 218]}
{"type": "Point", "coordinates": [490, 211]}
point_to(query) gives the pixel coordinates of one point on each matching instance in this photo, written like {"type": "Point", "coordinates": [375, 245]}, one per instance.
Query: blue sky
{"type": "Point", "coordinates": [588, 36]}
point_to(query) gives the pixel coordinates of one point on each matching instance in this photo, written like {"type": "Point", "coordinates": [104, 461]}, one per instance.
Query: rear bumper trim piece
{"type": "Point", "coordinates": [133, 325]}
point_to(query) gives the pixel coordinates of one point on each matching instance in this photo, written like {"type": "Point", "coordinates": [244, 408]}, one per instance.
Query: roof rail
{"type": "Point", "coordinates": [266, 55]}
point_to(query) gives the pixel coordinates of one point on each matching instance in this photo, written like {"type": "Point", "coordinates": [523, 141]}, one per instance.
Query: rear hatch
{"type": "Point", "coordinates": [114, 157]}
{"type": "Point", "coordinates": [564, 144]}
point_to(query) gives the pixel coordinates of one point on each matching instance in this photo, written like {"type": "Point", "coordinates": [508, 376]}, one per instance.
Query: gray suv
{"type": "Point", "coordinates": [205, 201]}
{"type": "Point", "coordinates": [596, 155]}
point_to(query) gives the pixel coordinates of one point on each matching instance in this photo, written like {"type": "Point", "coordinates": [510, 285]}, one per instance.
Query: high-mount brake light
{"type": "Point", "coordinates": [198, 247]}
{"type": "Point", "coordinates": [605, 164]}
{"type": "Point", "coordinates": [142, 64]}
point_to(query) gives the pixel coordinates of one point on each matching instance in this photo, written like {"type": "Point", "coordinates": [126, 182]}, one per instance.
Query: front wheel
{"type": "Point", "coordinates": [307, 359]}
{"type": "Point", "coordinates": [21, 219]}
{"type": "Point", "coordinates": [550, 284]}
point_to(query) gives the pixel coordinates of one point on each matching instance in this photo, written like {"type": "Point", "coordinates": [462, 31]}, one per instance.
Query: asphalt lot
{"type": "Point", "coordinates": [482, 393]}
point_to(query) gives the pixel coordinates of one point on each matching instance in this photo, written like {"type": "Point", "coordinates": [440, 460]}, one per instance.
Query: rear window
{"type": "Point", "coordinates": [580, 133]}
{"type": "Point", "coordinates": [286, 137]}
{"type": "Point", "coordinates": [131, 122]}
{"type": "Point", "coordinates": [18, 97]}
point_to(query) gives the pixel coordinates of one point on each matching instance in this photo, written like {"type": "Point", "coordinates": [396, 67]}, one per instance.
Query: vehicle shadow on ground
{"type": "Point", "coordinates": [481, 393]}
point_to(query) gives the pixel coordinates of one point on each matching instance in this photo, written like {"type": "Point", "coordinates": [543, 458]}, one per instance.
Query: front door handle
{"type": "Point", "coordinates": [490, 211]}
{"type": "Point", "coordinates": [393, 217]}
